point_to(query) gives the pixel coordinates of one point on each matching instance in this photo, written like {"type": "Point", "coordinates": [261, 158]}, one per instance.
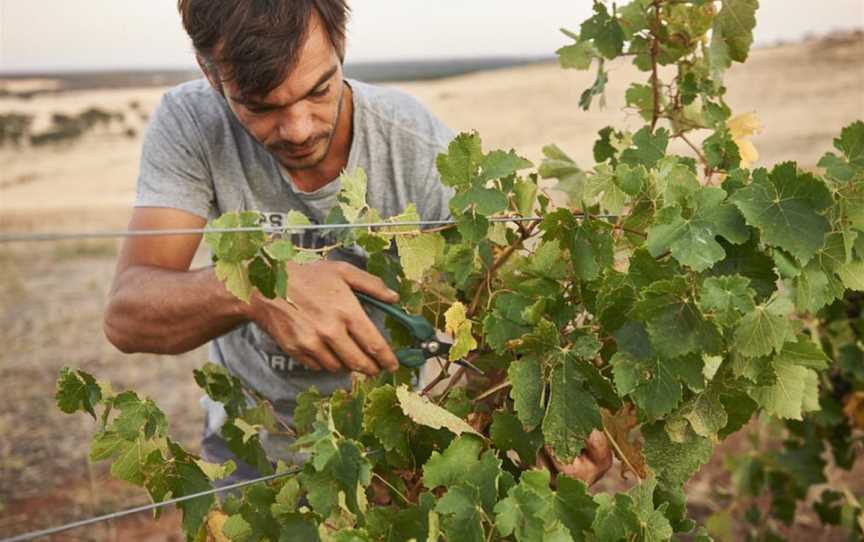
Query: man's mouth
{"type": "Point", "coordinates": [298, 152]}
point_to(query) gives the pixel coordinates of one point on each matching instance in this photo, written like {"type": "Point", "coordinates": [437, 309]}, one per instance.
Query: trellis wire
{"type": "Point", "coordinates": [58, 236]}
{"type": "Point", "coordinates": [145, 508]}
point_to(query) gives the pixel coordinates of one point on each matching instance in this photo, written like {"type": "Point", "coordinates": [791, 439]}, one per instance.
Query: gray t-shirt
{"type": "Point", "coordinates": [198, 158]}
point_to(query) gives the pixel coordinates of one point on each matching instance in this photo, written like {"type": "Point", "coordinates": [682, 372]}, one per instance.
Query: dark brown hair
{"type": "Point", "coordinates": [258, 41]}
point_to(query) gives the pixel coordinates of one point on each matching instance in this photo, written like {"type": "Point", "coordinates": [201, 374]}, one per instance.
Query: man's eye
{"type": "Point", "coordinates": [320, 93]}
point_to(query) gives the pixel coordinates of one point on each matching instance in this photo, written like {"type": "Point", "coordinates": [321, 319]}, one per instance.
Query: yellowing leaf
{"type": "Point", "coordinates": [352, 196]}
{"type": "Point", "coordinates": [742, 127]}
{"type": "Point", "coordinates": [419, 253]}
{"type": "Point", "coordinates": [236, 279]}
{"type": "Point", "coordinates": [425, 412]}
{"type": "Point", "coordinates": [215, 521]}
{"type": "Point", "coordinates": [464, 343]}
{"type": "Point", "coordinates": [454, 317]}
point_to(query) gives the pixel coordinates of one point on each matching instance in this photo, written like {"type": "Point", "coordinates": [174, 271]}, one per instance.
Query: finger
{"type": "Point", "coordinates": [308, 362]}
{"type": "Point", "coordinates": [351, 356]}
{"type": "Point", "coordinates": [374, 344]}
{"type": "Point", "coordinates": [319, 353]}
{"type": "Point", "coordinates": [367, 283]}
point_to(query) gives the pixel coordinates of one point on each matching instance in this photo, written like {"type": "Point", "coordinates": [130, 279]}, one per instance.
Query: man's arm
{"type": "Point", "coordinates": [158, 305]}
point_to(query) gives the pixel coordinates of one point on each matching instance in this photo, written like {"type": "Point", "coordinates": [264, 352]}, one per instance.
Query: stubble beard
{"type": "Point", "coordinates": [311, 161]}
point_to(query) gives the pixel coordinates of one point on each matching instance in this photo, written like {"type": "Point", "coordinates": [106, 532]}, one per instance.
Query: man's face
{"type": "Point", "coordinates": [296, 121]}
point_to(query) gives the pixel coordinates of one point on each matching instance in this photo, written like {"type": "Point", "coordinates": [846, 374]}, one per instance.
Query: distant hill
{"type": "Point", "coordinates": [15, 84]}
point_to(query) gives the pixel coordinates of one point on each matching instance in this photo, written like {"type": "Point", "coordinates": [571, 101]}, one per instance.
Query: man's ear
{"type": "Point", "coordinates": [211, 74]}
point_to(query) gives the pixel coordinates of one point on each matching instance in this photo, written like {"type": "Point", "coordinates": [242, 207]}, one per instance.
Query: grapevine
{"type": "Point", "coordinates": [714, 294]}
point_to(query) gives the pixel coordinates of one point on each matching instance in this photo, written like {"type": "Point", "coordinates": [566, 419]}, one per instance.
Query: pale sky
{"type": "Point", "coordinates": [45, 35]}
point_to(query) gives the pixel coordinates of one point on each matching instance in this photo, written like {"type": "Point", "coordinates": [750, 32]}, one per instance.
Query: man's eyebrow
{"type": "Point", "coordinates": [252, 102]}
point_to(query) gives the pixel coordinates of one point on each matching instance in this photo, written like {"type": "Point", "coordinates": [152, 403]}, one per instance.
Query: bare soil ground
{"type": "Point", "coordinates": [53, 294]}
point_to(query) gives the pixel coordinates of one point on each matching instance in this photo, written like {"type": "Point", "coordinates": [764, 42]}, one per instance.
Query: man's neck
{"type": "Point", "coordinates": [310, 180]}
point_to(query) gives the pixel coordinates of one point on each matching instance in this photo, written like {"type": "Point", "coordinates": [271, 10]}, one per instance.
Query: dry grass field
{"type": "Point", "coordinates": [53, 293]}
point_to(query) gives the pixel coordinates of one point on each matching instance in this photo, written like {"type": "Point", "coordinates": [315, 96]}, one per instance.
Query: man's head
{"type": "Point", "coordinates": [279, 65]}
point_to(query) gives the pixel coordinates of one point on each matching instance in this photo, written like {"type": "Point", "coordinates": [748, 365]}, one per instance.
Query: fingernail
{"type": "Point", "coordinates": [393, 293]}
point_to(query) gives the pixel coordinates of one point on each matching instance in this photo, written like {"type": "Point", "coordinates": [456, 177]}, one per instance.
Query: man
{"type": "Point", "coordinates": [270, 130]}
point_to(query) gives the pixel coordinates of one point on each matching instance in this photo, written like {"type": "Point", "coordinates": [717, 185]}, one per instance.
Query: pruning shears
{"type": "Point", "coordinates": [426, 343]}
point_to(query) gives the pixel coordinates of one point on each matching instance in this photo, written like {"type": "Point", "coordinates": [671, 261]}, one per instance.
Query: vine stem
{"type": "Point", "coordinates": [708, 171]}
{"type": "Point", "coordinates": [392, 488]}
{"type": "Point", "coordinates": [502, 259]}
{"type": "Point", "coordinates": [453, 381]}
{"type": "Point", "coordinates": [501, 386]}
{"type": "Point", "coordinates": [617, 227]}
{"type": "Point", "coordinates": [620, 453]}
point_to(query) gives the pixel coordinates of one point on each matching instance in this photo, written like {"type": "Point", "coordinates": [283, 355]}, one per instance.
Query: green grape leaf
{"type": "Point", "coordinates": [602, 187]}
{"type": "Point", "coordinates": [764, 330]}
{"type": "Point", "coordinates": [419, 253]}
{"type": "Point", "coordinates": [459, 465]}
{"type": "Point", "coordinates": [483, 201]}
{"type": "Point", "coordinates": [132, 464]}
{"type": "Point", "coordinates": [706, 413]}
{"type": "Point", "coordinates": [674, 322]}
{"type": "Point", "coordinates": [507, 433]}
{"type": "Point", "coordinates": [721, 150]}
{"type": "Point", "coordinates": [616, 519]}
{"type": "Point", "coordinates": [352, 195]}
{"type": "Point", "coordinates": [692, 241]}
{"type": "Point", "coordinates": [222, 387]}
{"type": "Point", "coordinates": [500, 164]}
{"type": "Point", "coordinates": [236, 278]}
{"type": "Point", "coordinates": [77, 390]}
{"type": "Point", "coordinates": [727, 298]}
{"type": "Point", "coordinates": [138, 417]}
{"type": "Point", "coordinates": [649, 148]}
{"type": "Point", "coordinates": [572, 412]}
{"type": "Point", "coordinates": [384, 419]}
{"type": "Point", "coordinates": [473, 227]}
{"type": "Point", "coordinates": [526, 377]}
{"type": "Point", "coordinates": [674, 462]}
{"type": "Point", "coordinates": [732, 33]}
{"type": "Point", "coordinates": [605, 31]}
{"type": "Point", "coordinates": [282, 250]}
{"type": "Point", "coordinates": [424, 412]}
{"type": "Point", "coordinates": [236, 528]}
{"type": "Point", "coordinates": [787, 207]}
{"type": "Point", "coordinates": [653, 383]}
{"type": "Point", "coordinates": [461, 164]}
{"type": "Point", "coordinates": [590, 245]}
{"type": "Point", "coordinates": [235, 247]}
{"type": "Point", "coordinates": [462, 513]}
{"type": "Point", "coordinates": [750, 262]}
{"type": "Point", "coordinates": [577, 56]}
{"type": "Point", "coordinates": [641, 98]}
{"type": "Point", "coordinates": [794, 392]}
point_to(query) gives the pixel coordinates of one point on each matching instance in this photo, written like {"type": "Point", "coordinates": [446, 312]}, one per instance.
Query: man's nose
{"type": "Point", "coordinates": [296, 124]}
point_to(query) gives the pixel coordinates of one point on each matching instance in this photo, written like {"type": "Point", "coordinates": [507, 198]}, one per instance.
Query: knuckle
{"type": "Point", "coordinates": [329, 333]}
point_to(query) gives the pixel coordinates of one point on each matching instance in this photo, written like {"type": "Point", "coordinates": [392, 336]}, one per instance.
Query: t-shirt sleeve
{"type": "Point", "coordinates": [174, 172]}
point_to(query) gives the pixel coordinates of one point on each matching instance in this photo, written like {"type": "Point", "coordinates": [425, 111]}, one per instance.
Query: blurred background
{"type": "Point", "coordinates": [79, 78]}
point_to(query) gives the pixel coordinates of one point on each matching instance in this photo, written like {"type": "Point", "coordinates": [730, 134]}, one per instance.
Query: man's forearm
{"type": "Point", "coordinates": [169, 312]}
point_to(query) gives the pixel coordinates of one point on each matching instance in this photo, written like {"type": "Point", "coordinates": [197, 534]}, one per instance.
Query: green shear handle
{"type": "Point", "coordinates": [419, 327]}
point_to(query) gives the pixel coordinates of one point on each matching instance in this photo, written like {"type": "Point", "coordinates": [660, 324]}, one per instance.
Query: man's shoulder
{"type": "Point", "coordinates": [398, 111]}
{"type": "Point", "coordinates": [195, 95]}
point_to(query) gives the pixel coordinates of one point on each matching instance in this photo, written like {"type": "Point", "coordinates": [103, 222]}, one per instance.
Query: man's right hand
{"type": "Point", "coordinates": [324, 326]}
